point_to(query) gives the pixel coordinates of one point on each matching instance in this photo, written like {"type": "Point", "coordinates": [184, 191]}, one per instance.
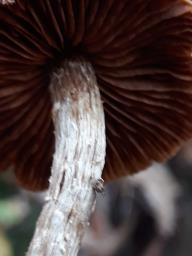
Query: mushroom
{"type": "Point", "coordinates": [120, 69]}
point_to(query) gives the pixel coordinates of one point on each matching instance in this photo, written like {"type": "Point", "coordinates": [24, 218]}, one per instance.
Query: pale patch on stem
{"type": "Point", "coordinates": [6, 2]}
{"type": "Point", "coordinates": [77, 163]}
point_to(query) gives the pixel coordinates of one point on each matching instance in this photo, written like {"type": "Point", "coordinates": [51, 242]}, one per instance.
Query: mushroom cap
{"type": "Point", "coordinates": [141, 52]}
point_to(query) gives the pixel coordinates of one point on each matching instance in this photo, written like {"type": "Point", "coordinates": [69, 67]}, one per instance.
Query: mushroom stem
{"type": "Point", "coordinates": [78, 161]}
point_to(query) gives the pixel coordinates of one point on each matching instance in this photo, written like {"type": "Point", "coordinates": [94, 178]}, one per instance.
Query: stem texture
{"type": "Point", "coordinates": [78, 161]}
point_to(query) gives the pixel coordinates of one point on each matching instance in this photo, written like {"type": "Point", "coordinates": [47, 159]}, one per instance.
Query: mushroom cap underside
{"type": "Point", "coordinates": [141, 52]}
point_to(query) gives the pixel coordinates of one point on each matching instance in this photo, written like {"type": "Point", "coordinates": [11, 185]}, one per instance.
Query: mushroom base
{"type": "Point", "coordinates": [78, 161]}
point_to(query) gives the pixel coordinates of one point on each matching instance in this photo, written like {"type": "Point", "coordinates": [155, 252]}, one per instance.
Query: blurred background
{"type": "Point", "coordinates": [148, 214]}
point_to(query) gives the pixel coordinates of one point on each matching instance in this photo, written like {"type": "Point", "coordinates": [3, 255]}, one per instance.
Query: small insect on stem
{"type": "Point", "coordinates": [98, 185]}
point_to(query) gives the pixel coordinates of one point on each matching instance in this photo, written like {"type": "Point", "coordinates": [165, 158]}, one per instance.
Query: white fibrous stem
{"type": "Point", "coordinates": [78, 161]}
